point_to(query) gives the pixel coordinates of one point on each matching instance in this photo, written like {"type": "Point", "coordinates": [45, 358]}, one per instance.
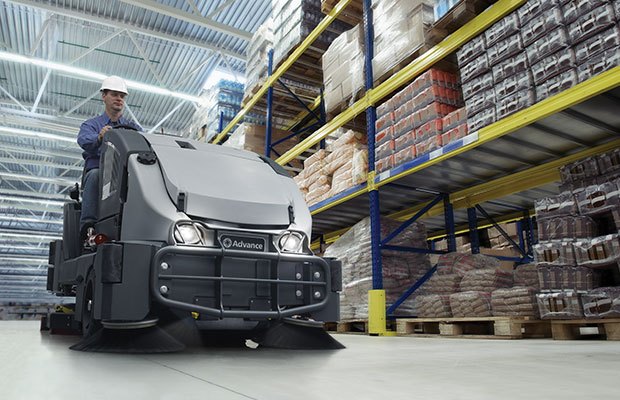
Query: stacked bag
{"type": "Point", "coordinates": [417, 119]}
{"type": "Point", "coordinates": [294, 20]}
{"type": "Point", "coordinates": [400, 269]}
{"type": "Point", "coordinates": [341, 165]}
{"type": "Point", "coordinates": [400, 28]}
{"type": "Point", "coordinates": [474, 285]}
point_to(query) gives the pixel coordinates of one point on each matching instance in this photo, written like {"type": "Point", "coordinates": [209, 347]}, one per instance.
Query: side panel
{"type": "Point", "coordinates": [148, 213]}
{"type": "Point", "coordinates": [118, 145]}
{"type": "Point", "coordinates": [129, 299]}
{"type": "Point", "coordinates": [71, 230]}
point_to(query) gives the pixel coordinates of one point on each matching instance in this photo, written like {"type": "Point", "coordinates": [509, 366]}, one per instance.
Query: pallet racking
{"type": "Point", "coordinates": [492, 174]}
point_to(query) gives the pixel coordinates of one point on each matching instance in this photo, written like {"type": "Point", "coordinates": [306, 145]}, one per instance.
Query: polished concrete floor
{"type": "Point", "coordinates": [35, 365]}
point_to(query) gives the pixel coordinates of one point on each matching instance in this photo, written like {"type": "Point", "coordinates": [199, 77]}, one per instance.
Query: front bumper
{"type": "Point", "coordinates": [220, 283]}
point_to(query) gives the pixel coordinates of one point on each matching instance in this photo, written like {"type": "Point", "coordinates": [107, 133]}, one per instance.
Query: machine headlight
{"type": "Point", "coordinates": [291, 242]}
{"type": "Point", "coordinates": [187, 234]}
{"type": "Point", "coordinates": [191, 233]}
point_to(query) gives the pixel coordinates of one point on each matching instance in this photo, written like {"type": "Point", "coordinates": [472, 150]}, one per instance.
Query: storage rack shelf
{"type": "Point", "coordinates": [279, 72]}
{"type": "Point", "coordinates": [515, 161]}
{"type": "Point", "coordinates": [504, 166]}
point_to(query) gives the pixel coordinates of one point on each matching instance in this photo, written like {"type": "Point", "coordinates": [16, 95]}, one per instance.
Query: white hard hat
{"type": "Point", "coordinates": [114, 83]}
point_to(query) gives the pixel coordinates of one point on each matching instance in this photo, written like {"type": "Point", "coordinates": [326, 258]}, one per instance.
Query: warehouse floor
{"type": "Point", "coordinates": [36, 365]}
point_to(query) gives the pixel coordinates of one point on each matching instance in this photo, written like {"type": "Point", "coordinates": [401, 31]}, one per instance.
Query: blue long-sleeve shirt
{"type": "Point", "coordinates": [88, 138]}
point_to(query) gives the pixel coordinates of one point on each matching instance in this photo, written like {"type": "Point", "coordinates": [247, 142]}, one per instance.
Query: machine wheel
{"type": "Point", "coordinates": [89, 324]}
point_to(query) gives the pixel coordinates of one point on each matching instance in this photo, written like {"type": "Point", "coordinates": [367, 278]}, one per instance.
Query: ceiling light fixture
{"type": "Point", "coordinates": [41, 135]}
{"type": "Point", "coordinates": [96, 76]}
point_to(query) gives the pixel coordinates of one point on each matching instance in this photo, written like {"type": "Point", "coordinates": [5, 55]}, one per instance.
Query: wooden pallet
{"type": "Point", "coordinates": [572, 329]}
{"type": "Point", "coordinates": [483, 327]}
{"type": "Point", "coordinates": [353, 326]}
{"type": "Point", "coordinates": [353, 14]}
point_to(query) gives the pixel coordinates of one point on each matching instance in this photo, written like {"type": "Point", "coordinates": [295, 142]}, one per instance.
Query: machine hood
{"type": "Point", "coordinates": [222, 184]}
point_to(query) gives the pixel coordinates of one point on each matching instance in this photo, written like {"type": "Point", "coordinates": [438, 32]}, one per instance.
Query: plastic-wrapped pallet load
{"type": "Point", "coordinates": [566, 227]}
{"type": "Point", "coordinates": [598, 199]}
{"type": "Point", "coordinates": [294, 20]}
{"type": "Point", "coordinates": [602, 303]}
{"type": "Point", "coordinates": [563, 204]}
{"type": "Point", "coordinates": [399, 30]}
{"type": "Point", "coordinates": [594, 34]}
{"type": "Point", "coordinates": [400, 269]}
{"type": "Point", "coordinates": [543, 48]}
{"type": "Point", "coordinates": [560, 305]}
{"type": "Point", "coordinates": [598, 252]}
{"type": "Point", "coordinates": [343, 69]}
{"type": "Point", "coordinates": [566, 277]}
{"type": "Point", "coordinates": [223, 99]}
{"type": "Point", "coordinates": [554, 252]}
{"type": "Point", "coordinates": [256, 66]}
{"type": "Point", "coordinates": [442, 7]}
{"type": "Point", "coordinates": [514, 302]}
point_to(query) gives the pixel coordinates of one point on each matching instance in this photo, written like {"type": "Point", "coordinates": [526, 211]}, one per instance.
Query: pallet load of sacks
{"type": "Point", "coordinates": [400, 269]}
{"type": "Point", "coordinates": [474, 285]}
{"type": "Point", "coordinates": [341, 165]}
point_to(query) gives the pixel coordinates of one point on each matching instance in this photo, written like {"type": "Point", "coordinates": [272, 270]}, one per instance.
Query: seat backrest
{"type": "Point", "coordinates": [71, 229]}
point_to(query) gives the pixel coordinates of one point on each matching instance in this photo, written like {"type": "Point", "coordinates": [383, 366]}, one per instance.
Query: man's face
{"type": "Point", "coordinates": [113, 100]}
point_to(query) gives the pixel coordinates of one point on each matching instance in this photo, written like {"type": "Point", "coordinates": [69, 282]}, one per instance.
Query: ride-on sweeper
{"type": "Point", "coordinates": [192, 237]}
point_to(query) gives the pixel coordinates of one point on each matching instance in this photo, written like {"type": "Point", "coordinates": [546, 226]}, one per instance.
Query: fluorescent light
{"type": "Point", "coordinates": [41, 179]}
{"type": "Point", "coordinates": [91, 75]}
{"type": "Point", "coordinates": [25, 260]}
{"type": "Point", "coordinates": [30, 220]}
{"type": "Point", "coordinates": [33, 236]}
{"type": "Point", "coordinates": [42, 135]}
{"type": "Point", "coordinates": [33, 201]}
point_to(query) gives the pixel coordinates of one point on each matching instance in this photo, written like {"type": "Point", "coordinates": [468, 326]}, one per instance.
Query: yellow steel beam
{"type": "Point", "coordinates": [329, 18]}
{"type": "Point", "coordinates": [329, 238]}
{"type": "Point", "coordinates": [590, 88]}
{"type": "Point", "coordinates": [415, 68]}
{"type": "Point", "coordinates": [340, 201]}
{"type": "Point", "coordinates": [521, 181]}
{"type": "Point", "coordinates": [492, 190]}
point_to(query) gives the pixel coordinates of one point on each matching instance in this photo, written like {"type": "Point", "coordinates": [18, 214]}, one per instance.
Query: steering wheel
{"type": "Point", "coordinates": [125, 126]}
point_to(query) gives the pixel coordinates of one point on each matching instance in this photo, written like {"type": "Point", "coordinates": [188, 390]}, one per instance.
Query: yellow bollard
{"type": "Point", "coordinates": [376, 312]}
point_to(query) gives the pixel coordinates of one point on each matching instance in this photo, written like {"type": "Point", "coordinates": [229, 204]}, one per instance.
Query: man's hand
{"type": "Point", "coordinates": [103, 131]}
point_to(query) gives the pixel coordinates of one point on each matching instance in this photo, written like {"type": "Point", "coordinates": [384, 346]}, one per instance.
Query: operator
{"type": "Point", "coordinates": [113, 92]}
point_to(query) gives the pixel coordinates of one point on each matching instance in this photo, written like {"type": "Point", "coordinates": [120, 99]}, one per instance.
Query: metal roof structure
{"type": "Point", "coordinates": [53, 56]}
